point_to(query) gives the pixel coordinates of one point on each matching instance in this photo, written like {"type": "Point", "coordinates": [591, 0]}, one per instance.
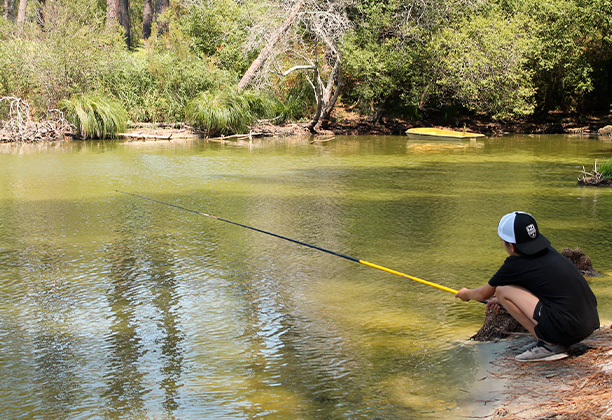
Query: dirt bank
{"type": "Point", "coordinates": [576, 388]}
{"type": "Point", "coordinates": [348, 123]}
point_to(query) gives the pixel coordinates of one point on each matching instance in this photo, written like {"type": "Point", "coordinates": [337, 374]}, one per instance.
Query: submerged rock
{"type": "Point", "coordinates": [498, 325]}
{"type": "Point", "coordinates": [595, 181]}
{"type": "Point", "coordinates": [580, 260]}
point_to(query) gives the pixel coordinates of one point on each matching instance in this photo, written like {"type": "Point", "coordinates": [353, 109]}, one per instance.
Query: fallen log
{"type": "Point", "coordinates": [145, 136]}
{"type": "Point", "coordinates": [237, 136]}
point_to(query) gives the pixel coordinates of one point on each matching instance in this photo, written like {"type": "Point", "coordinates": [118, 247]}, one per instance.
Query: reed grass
{"type": "Point", "coordinates": [95, 115]}
{"type": "Point", "coordinates": [228, 112]}
{"type": "Point", "coordinates": [605, 168]}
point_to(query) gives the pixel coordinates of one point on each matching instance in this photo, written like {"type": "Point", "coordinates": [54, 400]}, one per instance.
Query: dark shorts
{"type": "Point", "coordinates": [550, 326]}
{"type": "Point", "coordinates": [545, 329]}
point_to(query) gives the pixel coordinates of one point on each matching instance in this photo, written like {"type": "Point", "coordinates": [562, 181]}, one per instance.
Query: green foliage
{"type": "Point", "coordinates": [295, 98]}
{"type": "Point", "coordinates": [293, 108]}
{"type": "Point", "coordinates": [480, 63]}
{"type": "Point", "coordinates": [156, 85]}
{"type": "Point", "coordinates": [378, 64]}
{"type": "Point", "coordinates": [95, 116]}
{"type": "Point", "coordinates": [502, 58]}
{"type": "Point", "coordinates": [375, 71]}
{"type": "Point", "coordinates": [64, 57]}
{"type": "Point", "coordinates": [227, 112]}
{"type": "Point", "coordinates": [560, 32]}
{"type": "Point", "coordinates": [390, 61]}
{"type": "Point", "coordinates": [219, 31]}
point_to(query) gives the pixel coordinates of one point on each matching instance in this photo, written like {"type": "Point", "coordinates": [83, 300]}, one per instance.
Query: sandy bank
{"type": "Point", "coordinates": [578, 387]}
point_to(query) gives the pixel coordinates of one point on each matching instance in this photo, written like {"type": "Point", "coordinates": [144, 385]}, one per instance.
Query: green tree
{"type": "Point", "coordinates": [597, 40]}
{"type": "Point", "coordinates": [380, 62]}
{"type": "Point", "coordinates": [217, 30]}
{"type": "Point", "coordinates": [560, 29]}
{"type": "Point", "coordinates": [480, 63]}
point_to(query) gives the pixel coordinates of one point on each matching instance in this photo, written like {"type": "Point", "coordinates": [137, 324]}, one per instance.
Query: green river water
{"type": "Point", "coordinates": [121, 308]}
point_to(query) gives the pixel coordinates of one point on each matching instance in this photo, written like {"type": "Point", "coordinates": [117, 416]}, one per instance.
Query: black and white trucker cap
{"type": "Point", "coordinates": [520, 228]}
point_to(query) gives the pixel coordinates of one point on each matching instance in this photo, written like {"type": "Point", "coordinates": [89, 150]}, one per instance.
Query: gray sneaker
{"type": "Point", "coordinates": [529, 346]}
{"type": "Point", "coordinates": [543, 353]}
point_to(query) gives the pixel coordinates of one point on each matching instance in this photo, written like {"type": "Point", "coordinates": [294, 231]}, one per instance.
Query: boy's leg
{"type": "Point", "coordinates": [520, 303]}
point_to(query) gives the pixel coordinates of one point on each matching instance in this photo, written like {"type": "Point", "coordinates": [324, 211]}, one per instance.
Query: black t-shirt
{"type": "Point", "coordinates": [569, 306]}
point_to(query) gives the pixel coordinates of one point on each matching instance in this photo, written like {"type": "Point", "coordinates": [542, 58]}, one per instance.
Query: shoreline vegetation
{"type": "Point", "coordinates": [346, 66]}
{"type": "Point", "coordinates": [96, 117]}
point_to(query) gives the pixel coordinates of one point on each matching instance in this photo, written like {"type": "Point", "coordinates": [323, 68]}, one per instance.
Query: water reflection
{"type": "Point", "coordinates": [57, 363]}
{"type": "Point", "coordinates": [143, 289]}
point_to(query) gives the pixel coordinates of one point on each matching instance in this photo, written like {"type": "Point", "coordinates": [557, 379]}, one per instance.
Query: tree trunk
{"type": "Point", "coordinates": [125, 21]}
{"type": "Point", "coordinates": [117, 13]}
{"type": "Point", "coordinates": [9, 6]}
{"type": "Point", "coordinates": [160, 7]}
{"type": "Point", "coordinates": [323, 94]}
{"type": "Point", "coordinates": [147, 19]}
{"type": "Point", "coordinates": [318, 96]}
{"type": "Point", "coordinates": [329, 101]}
{"type": "Point", "coordinates": [40, 13]}
{"type": "Point", "coordinates": [21, 13]}
{"type": "Point", "coordinates": [267, 50]}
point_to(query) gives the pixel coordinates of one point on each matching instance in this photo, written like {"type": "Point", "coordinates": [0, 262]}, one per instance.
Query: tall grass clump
{"type": "Point", "coordinates": [227, 112]}
{"type": "Point", "coordinates": [95, 116]}
{"type": "Point", "coordinates": [605, 168]}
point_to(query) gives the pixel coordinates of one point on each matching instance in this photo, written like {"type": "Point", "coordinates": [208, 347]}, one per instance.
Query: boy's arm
{"type": "Point", "coordinates": [481, 293]}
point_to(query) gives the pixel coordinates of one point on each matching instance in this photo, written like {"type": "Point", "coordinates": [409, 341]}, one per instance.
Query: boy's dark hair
{"type": "Point", "coordinates": [514, 246]}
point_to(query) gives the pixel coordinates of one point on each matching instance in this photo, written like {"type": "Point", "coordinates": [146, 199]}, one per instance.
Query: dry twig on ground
{"type": "Point", "coordinates": [20, 127]}
{"type": "Point", "coordinates": [593, 178]}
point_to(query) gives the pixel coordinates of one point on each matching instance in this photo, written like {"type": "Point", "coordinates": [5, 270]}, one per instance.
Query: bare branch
{"type": "Point", "coordinates": [295, 68]}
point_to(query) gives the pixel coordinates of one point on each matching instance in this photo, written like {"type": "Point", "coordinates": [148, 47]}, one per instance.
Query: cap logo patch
{"type": "Point", "coordinates": [531, 231]}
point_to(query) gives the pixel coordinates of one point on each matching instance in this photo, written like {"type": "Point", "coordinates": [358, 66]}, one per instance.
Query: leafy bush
{"type": "Point", "coordinates": [293, 108]}
{"type": "Point", "coordinates": [95, 116]}
{"type": "Point", "coordinates": [295, 98]}
{"type": "Point", "coordinates": [157, 85]}
{"type": "Point", "coordinates": [65, 57]}
{"type": "Point", "coordinates": [219, 31]}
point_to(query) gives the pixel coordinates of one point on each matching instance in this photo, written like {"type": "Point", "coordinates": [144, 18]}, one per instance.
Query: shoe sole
{"type": "Point", "coordinates": [550, 358]}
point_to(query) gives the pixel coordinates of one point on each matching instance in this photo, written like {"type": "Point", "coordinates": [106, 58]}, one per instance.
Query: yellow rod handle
{"type": "Point", "coordinates": [428, 283]}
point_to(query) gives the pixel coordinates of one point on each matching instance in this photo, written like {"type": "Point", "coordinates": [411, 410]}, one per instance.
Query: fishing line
{"type": "Point", "coordinates": [369, 264]}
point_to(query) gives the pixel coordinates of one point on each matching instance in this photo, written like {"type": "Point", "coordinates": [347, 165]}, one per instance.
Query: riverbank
{"type": "Point", "coordinates": [578, 387]}
{"type": "Point", "coordinates": [552, 123]}
{"type": "Point", "coordinates": [350, 123]}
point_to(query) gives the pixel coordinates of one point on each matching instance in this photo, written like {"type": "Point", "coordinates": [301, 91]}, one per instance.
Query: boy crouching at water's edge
{"type": "Point", "coordinates": [541, 289]}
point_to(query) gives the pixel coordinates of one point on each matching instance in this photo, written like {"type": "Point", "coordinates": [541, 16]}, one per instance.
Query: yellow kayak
{"type": "Point", "coordinates": [438, 134]}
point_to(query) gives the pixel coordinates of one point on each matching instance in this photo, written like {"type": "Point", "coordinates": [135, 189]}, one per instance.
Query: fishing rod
{"type": "Point", "coordinates": [369, 264]}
